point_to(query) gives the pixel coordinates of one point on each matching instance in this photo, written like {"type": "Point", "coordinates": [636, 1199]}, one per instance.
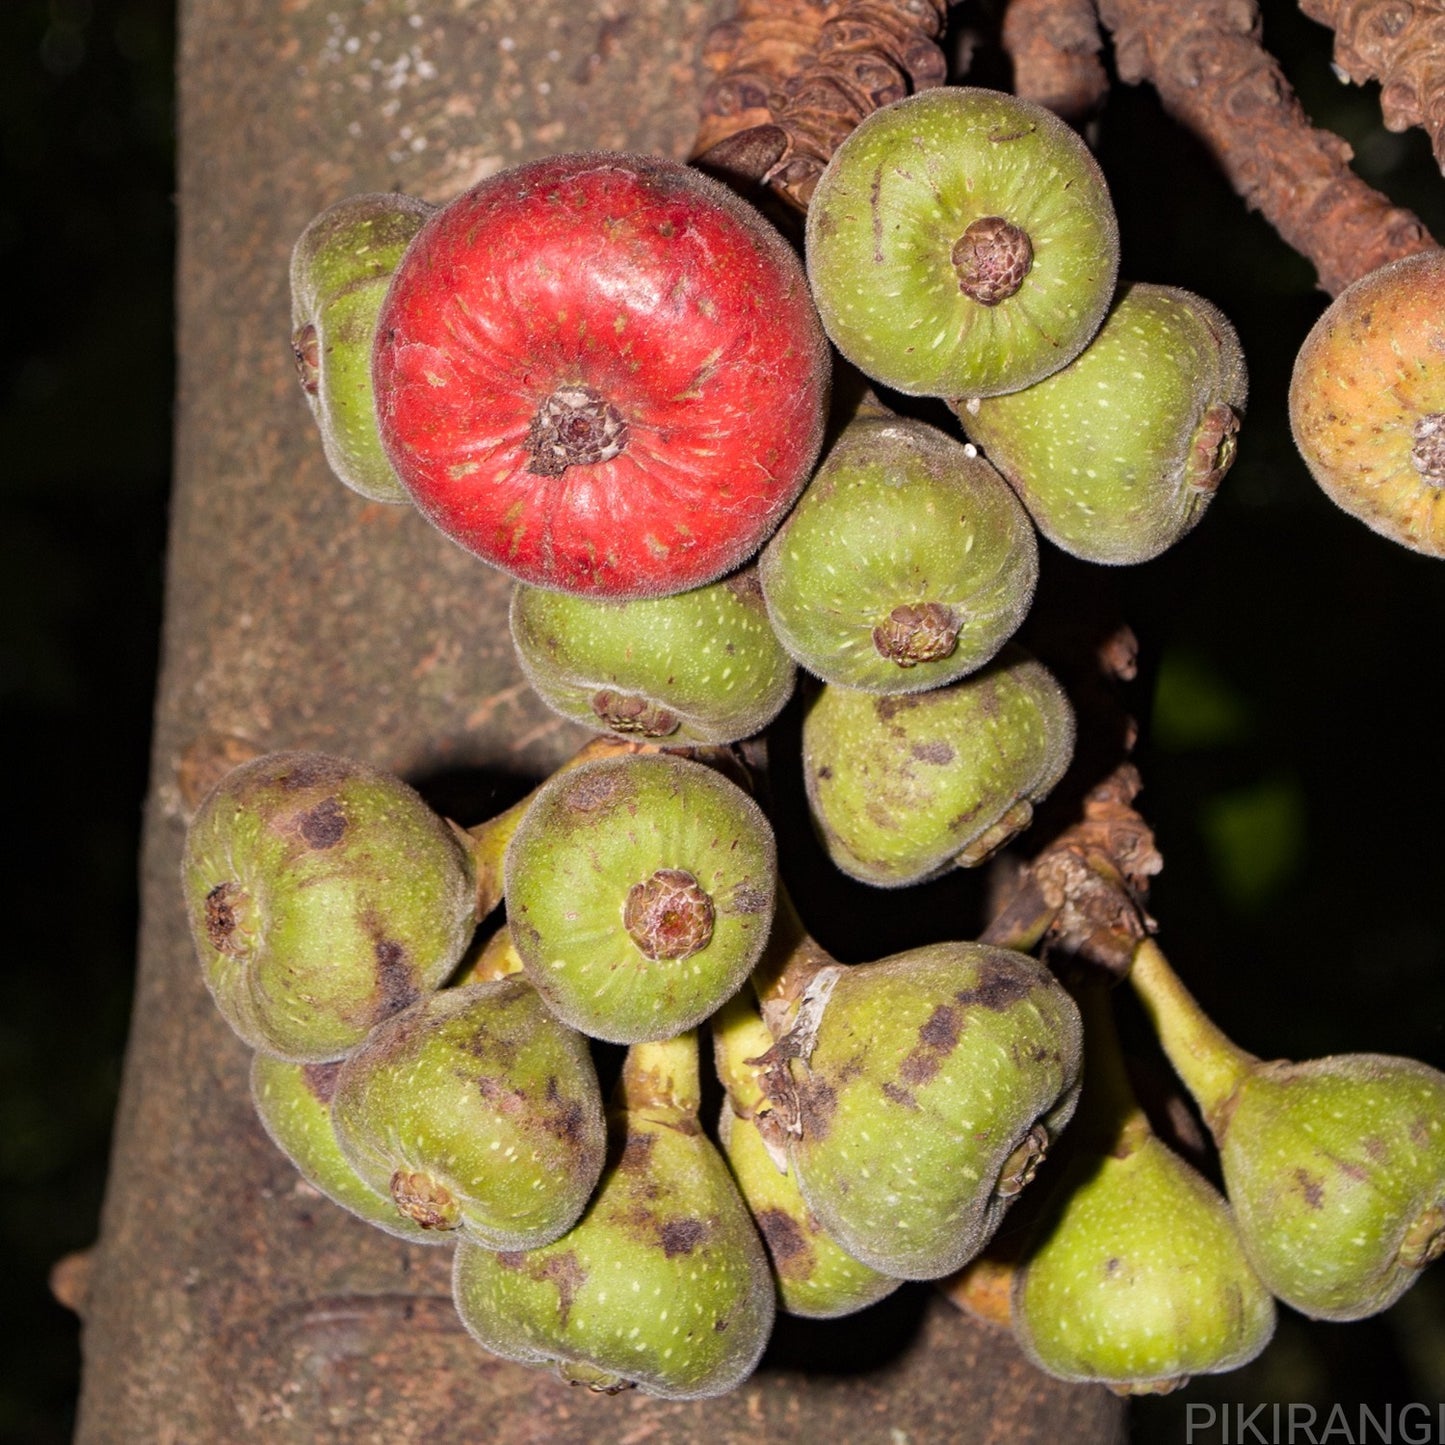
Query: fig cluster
{"type": "Point", "coordinates": [609, 377]}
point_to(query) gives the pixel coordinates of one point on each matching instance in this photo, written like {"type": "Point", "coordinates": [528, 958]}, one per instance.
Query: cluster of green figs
{"type": "Point", "coordinates": [438, 1077]}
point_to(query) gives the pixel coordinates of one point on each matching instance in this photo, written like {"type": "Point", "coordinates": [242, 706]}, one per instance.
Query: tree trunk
{"type": "Point", "coordinates": [225, 1295]}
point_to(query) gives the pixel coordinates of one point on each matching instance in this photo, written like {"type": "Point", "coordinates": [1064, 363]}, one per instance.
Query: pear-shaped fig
{"type": "Point", "coordinates": [902, 787]}
{"type": "Point", "coordinates": [602, 374]}
{"type": "Point", "coordinates": [1117, 455]}
{"type": "Point", "coordinates": [324, 895]}
{"type": "Point", "coordinates": [1136, 1275]}
{"type": "Point", "coordinates": [697, 667]}
{"type": "Point", "coordinates": [924, 1091]}
{"type": "Point", "coordinates": [815, 1277]}
{"type": "Point", "coordinates": [1335, 1167]}
{"type": "Point", "coordinates": [293, 1102]}
{"type": "Point", "coordinates": [662, 1284]}
{"type": "Point", "coordinates": [639, 893]}
{"type": "Point", "coordinates": [1367, 401]}
{"type": "Point", "coordinates": [341, 267]}
{"type": "Point", "coordinates": [906, 563]}
{"type": "Point", "coordinates": [961, 243]}
{"type": "Point", "coordinates": [475, 1109]}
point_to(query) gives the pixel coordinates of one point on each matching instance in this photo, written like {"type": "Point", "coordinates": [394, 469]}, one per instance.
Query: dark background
{"type": "Point", "coordinates": [1291, 661]}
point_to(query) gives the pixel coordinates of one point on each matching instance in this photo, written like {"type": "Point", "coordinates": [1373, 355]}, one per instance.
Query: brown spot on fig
{"type": "Point", "coordinates": [221, 917]}
{"type": "Point", "coordinates": [320, 1080]}
{"type": "Point", "coordinates": [513, 1259]}
{"type": "Point", "coordinates": [1000, 986]}
{"type": "Point", "coordinates": [323, 826]}
{"type": "Point", "coordinates": [937, 1038]}
{"type": "Point", "coordinates": [1311, 1188]}
{"type": "Point", "coordinates": [566, 1273]}
{"type": "Point", "coordinates": [817, 1102]}
{"type": "Point", "coordinates": [792, 1254]}
{"type": "Point", "coordinates": [636, 1157]}
{"type": "Point", "coordinates": [748, 901]}
{"type": "Point", "coordinates": [306, 352]}
{"type": "Point", "coordinates": [888, 705]}
{"type": "Point", "coordinates": [939, 753]}
{"type": "Point", "coordinates": [592, 790]}
{"type": "Point", "coordinates": [1374, 1146]}
{"type": "Point", "coordinates": [899, 1096]}
{"type": "Point", "coordinates": [1428, 454]}
{"type": "Point", "coordinates": [312, 770]}
{"type": "Point", "coordinates": [825, 772]}
{"type": "Point", "coordinates": [395, 987]}
{"type": "Point", "coordinates": [682, 1236]}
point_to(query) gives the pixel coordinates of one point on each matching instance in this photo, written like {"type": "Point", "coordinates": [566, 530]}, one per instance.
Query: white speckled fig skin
{"type": "Point", "coordinates": [1335, 1167]}
{"type": "Point", "coordinates": [902, 787]}
{"type": "Point", "coordinates": [900, 522]}
{"type": "Point", "coordinates": [595, 835]}
{"type": "Point", "coordinates": [1367, 401]}
{"type": "Point", "coordinates": [293, 1102]}
{"type": "Point", "coordinates": [937, 1080]}
{"type": "Point", "coordinates": [341, 266]}
{"type": "Point", "coordinates": [1117, 455]}
{"type": "Point", "coordinates": [895, 202]}
{"type": "Point", "coordinates": [663, 1283]}
{"type": "Point", "coordinates": [323, 896]}
{"type": "Point", "coordinates": [1134, 1275]}
{"type": "Point", "coordinates": [475, 1109]}
{"type": "Point", "coordinates": [699, 667]}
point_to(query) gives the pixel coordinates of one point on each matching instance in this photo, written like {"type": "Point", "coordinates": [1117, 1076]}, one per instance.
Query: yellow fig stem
{"type": "Point", "coordinates": [1211, 1065]}
{"type": "Point", "coordinates": [661, 1079]}
{"type": "Point", "coordinates": [791, 960]}
{"type": "Point", "coordinates": [739, 1034]}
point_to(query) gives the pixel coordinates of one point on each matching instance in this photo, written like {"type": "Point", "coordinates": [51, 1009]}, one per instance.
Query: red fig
{"type": "Point", "coordinates": [603, 374]}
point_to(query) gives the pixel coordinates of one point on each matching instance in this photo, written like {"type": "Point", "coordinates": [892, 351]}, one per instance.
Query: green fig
{"type": "Point", "coordinates": [906, 564]}
{"type": "Point", "coordinates": [815, 1277]}
{"type": "Point", "coordinates": [293, 1102]}
{"type": "Point", "coordinates": [341, 267]}
{"type": "Point", "coordinates": [1136, 1276]}
{"type": "Point", "coordinates": [639, 891]}
{"type": "Point", "coordinates": [696, 667]}
{"type": "Point", "coordinates": [961, 242]}
{"type": "Point", "coordinates": [902, 787]}
{"type": "Point", "coordinates": [1335, 1167]}
{"type": "Point", "coordinates": [921, 1093]}
{"type": "Point", "coordinates": [1117, 455]}
{"type": "Point", "coordinates": [323, 896]}
{"type": "Point", "coordinates": [662, 1284]}
{"type": "Point", "coordinates": [475, 1109]}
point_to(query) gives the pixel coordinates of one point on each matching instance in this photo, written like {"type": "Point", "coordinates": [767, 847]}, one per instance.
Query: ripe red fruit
{"type": "Point", "coordinates": [603, 374]}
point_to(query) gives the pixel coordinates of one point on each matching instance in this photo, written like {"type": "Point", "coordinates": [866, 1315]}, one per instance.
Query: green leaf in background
{"type": "Point", "coordinates": [1256, 840]}
{"type": "Point", "coordinates": [1194, 707]}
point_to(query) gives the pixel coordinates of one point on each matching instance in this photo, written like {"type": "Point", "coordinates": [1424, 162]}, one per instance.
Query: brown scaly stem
{"type": "Point", "coordinates": [794, 77]}
{"type": "Point", "coordinates": [1205, 59]}
{"type": "Point", "coordinates": [1054, 47]}
{"type": "Point", "coordinates": [1400, 45]}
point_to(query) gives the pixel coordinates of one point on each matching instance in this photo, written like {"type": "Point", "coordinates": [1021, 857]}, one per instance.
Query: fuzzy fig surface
{"type": "Point", "coordinates": [603, 374]}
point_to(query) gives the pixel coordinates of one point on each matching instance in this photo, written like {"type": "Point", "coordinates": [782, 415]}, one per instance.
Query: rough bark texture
{"type": "Point", "coordinates": [1054, 47]}
{"type": "Point", "coordinates": [1205, 59]}
{"type": "Point", "coordinates": [227, 1300]}
{"type": "Point", "coordinates": [1400, 44]}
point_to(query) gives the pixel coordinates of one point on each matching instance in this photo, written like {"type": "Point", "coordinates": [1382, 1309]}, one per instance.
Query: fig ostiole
{"type": "Point", "coordinates": [341, 267]}
{"type": "Point", "coordinates": [323, 896]}
{"type": "Point", "coordinates": [902, 787]}
{"type": "Point", "coordinates": [663, 1284]}
{"type": "Point", "coordinates": [1135, 1275]}
{"type": "Point", "coordinates": [293, 1103]}
{"type": "Point", "coordinates": [815, 1277]}
{"type": "Point", "coordinates": [906, 564]}
{"type": "Point", "coordinates": [918, 1094]}
{"type": "Point", "coordinates": [639, 894]}
{"type": "Point", "coordinates": [697, 667]}
{"type": "Point", "coordinates": [1367, 401]}
{"type": "Point", "coordinates": [475, 1110]}
{"type": "Point", "coordinates": [1335, 1167]}
{"type": "Point", "coordinates": [961, 242]}
{"type": "Point", "coordinates": [1117, 455]}
{"type": "Point", "coordinates": [603, 374]}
